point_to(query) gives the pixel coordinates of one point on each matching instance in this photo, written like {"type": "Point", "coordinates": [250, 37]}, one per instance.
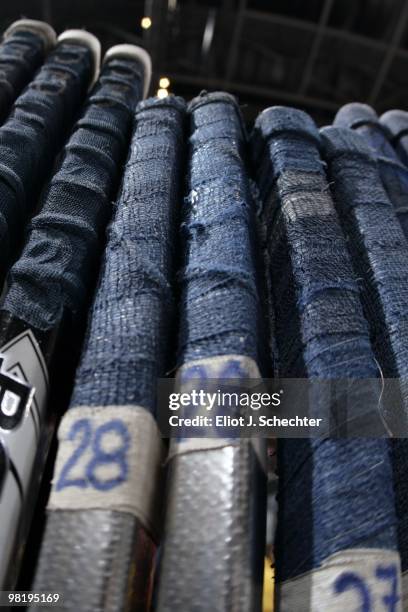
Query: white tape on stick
{"type": "Point", "coordinates": [222, 369]}
{"type": "Point", "coordinates": [358, 579]}
{"type": "Point", "coordinates": [110, 458]}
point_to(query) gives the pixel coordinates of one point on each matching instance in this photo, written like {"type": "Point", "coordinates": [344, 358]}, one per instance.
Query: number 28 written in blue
{"type": "Point", "coordinates": [93, 439]}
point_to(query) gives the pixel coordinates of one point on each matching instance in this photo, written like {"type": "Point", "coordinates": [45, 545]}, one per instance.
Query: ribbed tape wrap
{"type": "Point", "coordinates": [219, 301]}
{"type": "Point", "coordinates": [396, 122]}
{"type": "Point", "coordinates": [55, 269]}
{"type": "Point", "coordinates": [376, 243]}
{"type": "Point", "coordinates": [321, 333]}
{"type": "Point", "coordinates": [21, 54]}
{"type": "Point", "coordinates": [393, 173]}
{"type": "Point", "coordinates": [219, 324]}
{"type": "Point", "coordinates": [31, 137]}
{"type": "Point", "coordinates": [130, 321]}
{"type": "Point", "coordinates": [380, 256]}
{"type": "Point", "coordinates": [114, 515]}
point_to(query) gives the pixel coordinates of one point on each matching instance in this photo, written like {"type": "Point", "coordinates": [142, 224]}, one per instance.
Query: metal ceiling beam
{"type": "Point", "coordinates": [264, 92]}
{"type": "Point", "coordinates": [308, 26]}
{"type": "Point", "coordinates": [237, 30]}
{"type": "Point", "coordinates": [46, 11]}
{"type": "Point", "coordinates": [119, 33]}
{"type": "Point", "coordinates": [208, 35]}
{"type": "Point", "coordinates": [314, 51]}
{"type": "Point", "coordinates": [158, 32]}
{"type": "Point", "coordinates": [267, 53]}
{"type": "Point", "coordinates": [390, 54]}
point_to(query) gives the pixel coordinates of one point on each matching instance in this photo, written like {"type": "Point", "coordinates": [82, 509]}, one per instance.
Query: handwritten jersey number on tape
{"type": "Point", "coordinates": [353, 581]}
{"type": "Point", "coordinates": [91, 439]}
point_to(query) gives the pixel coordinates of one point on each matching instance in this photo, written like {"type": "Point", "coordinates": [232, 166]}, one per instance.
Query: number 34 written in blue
{"type": "Point", "coordinates": [93, 472]}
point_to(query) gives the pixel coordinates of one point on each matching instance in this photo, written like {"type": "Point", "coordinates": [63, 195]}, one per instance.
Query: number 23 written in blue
{"type": "Point", "coordinates": [352, 581]}
{"type": "Point", "coordinates": [82, 431]}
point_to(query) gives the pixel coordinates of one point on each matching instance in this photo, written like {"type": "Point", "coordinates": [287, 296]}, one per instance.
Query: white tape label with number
{"type": "Point", "coordinates": [353, 580]}
{"type": "Point", "coordinates": [221, 368]}
{"type": "Point", "coordinates": [109, 458]}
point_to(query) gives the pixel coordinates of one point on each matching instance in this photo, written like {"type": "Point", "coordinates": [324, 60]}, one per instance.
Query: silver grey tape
{"type": "Point", "coordinates": [354, 579]}
{"type": "Point", "coordinates": [213, 368]}
{"type": "Point", "coordinates": [109, 458]}
{"type": "Point", "coordinates": [214, 539]}
{"type": "Point", "coordinates": [191, 445]}
{"type": "Point", "coordinates": [214, 532]}
{"type": "Point", "coordinates": [98, 560]}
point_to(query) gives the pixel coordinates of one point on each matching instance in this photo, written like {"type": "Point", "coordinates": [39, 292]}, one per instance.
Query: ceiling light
{"type": "Point", "coordinates": [146, 23]}
{"type": "Point", "coordinates": [164, 83]}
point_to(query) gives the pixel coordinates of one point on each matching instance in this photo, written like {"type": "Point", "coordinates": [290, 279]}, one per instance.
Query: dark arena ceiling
{"type": "Point", "coordinates": [313, 54]}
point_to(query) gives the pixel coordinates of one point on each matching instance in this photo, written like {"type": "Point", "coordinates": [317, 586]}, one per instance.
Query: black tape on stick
{"type": "Point", "coordinates": [25, 45]}
{"type": "Point", "coordinates": [50, 282]}
{"type": "Point", "coordinates": [214, 539]}
{"type": "Point", "coordinates": [40, 120]}
{"type": "Point", "coordinates": [104, 512]}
